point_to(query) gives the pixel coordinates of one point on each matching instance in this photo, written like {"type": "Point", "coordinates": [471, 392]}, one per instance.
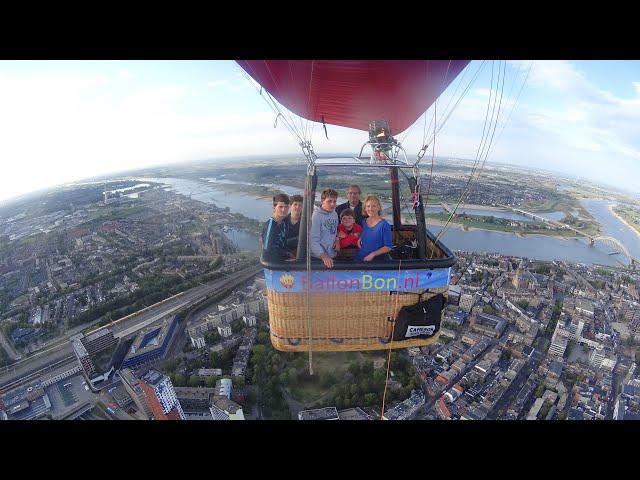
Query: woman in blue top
{"type": "Point", "coordinates": [375, 241]}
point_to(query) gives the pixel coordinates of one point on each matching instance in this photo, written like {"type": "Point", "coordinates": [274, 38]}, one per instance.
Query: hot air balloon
{"type": "Point", "coordinates": [359, 305]}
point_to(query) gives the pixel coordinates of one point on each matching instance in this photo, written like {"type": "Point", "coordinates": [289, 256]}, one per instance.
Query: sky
{"type": "Point", "coordinates": [64, 121]}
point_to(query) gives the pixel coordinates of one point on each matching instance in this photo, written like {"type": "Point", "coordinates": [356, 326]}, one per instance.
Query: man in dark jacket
{"type": "Point", "coordinates": [274, 233]}
{"type": "Point", "coordinates": [354, 203]}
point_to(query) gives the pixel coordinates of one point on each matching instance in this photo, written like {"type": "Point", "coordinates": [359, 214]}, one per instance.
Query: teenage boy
{"type": "Point", "coordinates": [354, 203]}
{"type": "Point", "coordinates": [274, 233]}
{"type": "Point", "coordinates": [293, 220]}
{"type": "Point", "coordinates": [324, 225]}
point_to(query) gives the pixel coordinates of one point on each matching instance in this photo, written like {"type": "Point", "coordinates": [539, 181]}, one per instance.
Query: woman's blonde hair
{"type": "Point", "coordinates": [376, 200]}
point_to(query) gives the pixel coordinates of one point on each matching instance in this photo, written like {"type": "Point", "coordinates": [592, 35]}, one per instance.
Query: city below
{"type": "Point", "coordinates": [142, 297]}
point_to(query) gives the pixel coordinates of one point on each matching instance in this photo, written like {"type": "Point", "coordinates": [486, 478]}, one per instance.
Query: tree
{"type": "Point", "coordinates": [237, 325]}
{"type": "Point", "coordinates": [370, 399]}
{"type": "Point", "coordinates": [263, 338]}
{"type": "Point", "coordinates": [210, 382]}
{"type": "Point", "coordinates": [259, 352]}
{"type": "Point", "coordinates": [194, 381]}
{"type": "Point", "coordinates": [178, 380]}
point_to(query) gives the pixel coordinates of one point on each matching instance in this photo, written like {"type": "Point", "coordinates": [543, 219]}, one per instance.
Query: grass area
{"type": "Point", "coordinates": [5, 359]}
{"type": "Point", "coordinates": [335, 365]}
{"type": "Point", "coordinates": [630, 215]}
{"type": "Point", "coordinates": [476, 223]}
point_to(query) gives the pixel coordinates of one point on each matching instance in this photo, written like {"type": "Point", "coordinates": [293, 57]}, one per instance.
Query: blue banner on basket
{"type": "Point", "coordinates": [357, 281]}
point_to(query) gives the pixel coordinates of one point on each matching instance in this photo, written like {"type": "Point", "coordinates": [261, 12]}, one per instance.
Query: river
{"type": "Point", "coordinates": [541, 247]}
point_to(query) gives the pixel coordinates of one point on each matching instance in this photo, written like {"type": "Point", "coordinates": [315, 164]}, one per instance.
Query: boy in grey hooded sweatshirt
{"type": "Point", "coordinates": [324, 226]}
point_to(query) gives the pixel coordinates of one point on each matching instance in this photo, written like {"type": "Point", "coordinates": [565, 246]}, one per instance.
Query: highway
{"type": "Point", "coordinates": [29, 368]}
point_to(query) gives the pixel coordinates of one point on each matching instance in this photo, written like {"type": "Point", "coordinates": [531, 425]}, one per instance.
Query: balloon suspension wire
{"type": "Point", "coordinates": [447, 112]}
{"type": "Point", "coordinates": [483, 147]}
{"type": "Point", "coordinates": [480, 150]}
{"type": "Point", "coordinates": [307, 149]}
{"type": "Point", "coordinates": [513, 106]}
{"type": "Point", "coordinates": [290, 114]}
{"type": "Point", "coordinates": [444, 79]}
{"type": "Point", "coordinates": [270, 101]}
{"type": "Point", "coordinates": [393, 318]}
{"type": "Point", "coordinates": [309, 210]}
{"type": "Point", "coordinates": [433, 156]}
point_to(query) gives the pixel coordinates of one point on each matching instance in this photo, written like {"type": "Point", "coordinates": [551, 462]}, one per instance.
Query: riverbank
{"type": "Point", "coordinates": [470, 205]}
{"type": "Point", "coordinates": [613, 212]}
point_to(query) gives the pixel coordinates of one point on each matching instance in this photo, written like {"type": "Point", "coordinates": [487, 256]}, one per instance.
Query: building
{"type": "Point", "coordinates": [585, 307]}
{"type": "Point", "coordinates": [23, 336]}
{"type": "Point", "coordinates": [254, 306]}
{"type": "Point", "coordinates": [83, 357]}
{"type": "Point", "coordinates": [596, 356]}
{"type": "Point", "coordinates": [454, 294]}
{"type": "Point", "coordinates": [327, 413]}
{"type": "Point", "coordinates": [152, 343]}
{"type": "Point", "coordinates": [195, 400]}
{"type": "Point", "coordinates": [524, 280]}
{"type": "Point", "coordinates": [121, 396]}
{"type": "Point", "coordinates": [198, 342]}
{"type": "Point", "coordinates": [209, 372]}
{"type": "Point", "coordinates": [453, 393]}
{"type": "Point", "coordinates": [241, 358]}
{"type": "Point", "coordinates": [98, 341]}
{"type": "Point", "coordinates": [160, 396]}
{"type": "Point", "coordinates": [224, 388]}
{"type": "Point", "coordinates": [28, 402]}
{"type": "Point", "coordinates": [466, 302]}
{"type": "Point", "coordinates": [225, 331]}
{"type": "Point", "coordinates": [354, 414]}
{"type": "Point", "coordinates": [249, 320]}
{"type": "Point", "coordinates": [558, 345]}
{"type": "Point", "coordinates": [407, 409]}
{"type": "Point", "coordinates": [224, 409]}
{"type": "Point", "coordinates": [131, 384]}
{"type": "Point", "coordinates": [487, 324]}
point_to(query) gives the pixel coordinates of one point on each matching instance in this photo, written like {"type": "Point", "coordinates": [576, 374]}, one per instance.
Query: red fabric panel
{"type": "Point", "coordinates": [352, 93]}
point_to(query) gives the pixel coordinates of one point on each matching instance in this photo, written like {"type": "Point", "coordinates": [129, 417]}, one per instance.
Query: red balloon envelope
{"type": "Point", "coordinates": [353, 93]}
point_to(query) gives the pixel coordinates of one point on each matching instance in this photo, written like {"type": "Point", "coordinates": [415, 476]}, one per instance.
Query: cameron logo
{"type": "Point", "coordinates": [414, 331]}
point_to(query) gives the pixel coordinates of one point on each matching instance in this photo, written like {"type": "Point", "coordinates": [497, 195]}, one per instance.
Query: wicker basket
{"type": "Point", "coordinates": [340, 321]}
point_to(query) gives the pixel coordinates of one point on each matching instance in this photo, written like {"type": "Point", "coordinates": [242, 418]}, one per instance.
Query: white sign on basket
{"type": "Point", "coordinates": [414, 331]}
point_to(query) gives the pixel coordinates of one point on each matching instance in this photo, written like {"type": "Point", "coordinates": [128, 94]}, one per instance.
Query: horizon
{"type": "Point", "coordinates": [115, 176]}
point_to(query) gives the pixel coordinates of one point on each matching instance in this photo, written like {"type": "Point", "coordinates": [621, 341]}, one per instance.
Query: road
{"type": "Point", "coordinates": [128, 326]}
{"type": "Point", "coordinates": [514, 387]}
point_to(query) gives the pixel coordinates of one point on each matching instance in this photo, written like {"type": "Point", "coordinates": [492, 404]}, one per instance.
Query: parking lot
{"type": "Point", "coordinates": [66, 398]}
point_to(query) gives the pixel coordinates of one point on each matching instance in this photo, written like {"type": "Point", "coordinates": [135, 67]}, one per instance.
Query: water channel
{"type": "Point", "coordinates": [540, 247]}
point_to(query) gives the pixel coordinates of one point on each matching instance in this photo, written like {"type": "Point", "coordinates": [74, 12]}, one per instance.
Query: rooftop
{"type": "Point", "coordinates": [99, 334]}
{"type": "Point", "coordinates": [327, 413]}
{"type": "Point", "coordinates": [153, 377]}
{"type": "Point", "coordinates": [151, 338]}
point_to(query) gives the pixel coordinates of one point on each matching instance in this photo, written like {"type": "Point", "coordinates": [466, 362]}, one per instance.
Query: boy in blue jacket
{"type": "Point", "coordinates": [274, 233]}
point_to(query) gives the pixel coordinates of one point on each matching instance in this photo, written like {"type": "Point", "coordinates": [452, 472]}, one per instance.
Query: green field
{"type": "Point", "coordinates": [630, 215]}
{"type": "Point", "coordinates": [334, 364]}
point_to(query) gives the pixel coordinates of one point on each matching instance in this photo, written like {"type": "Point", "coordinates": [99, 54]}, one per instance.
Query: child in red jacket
{"type": "Point", "coordinates": [348, 230]}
